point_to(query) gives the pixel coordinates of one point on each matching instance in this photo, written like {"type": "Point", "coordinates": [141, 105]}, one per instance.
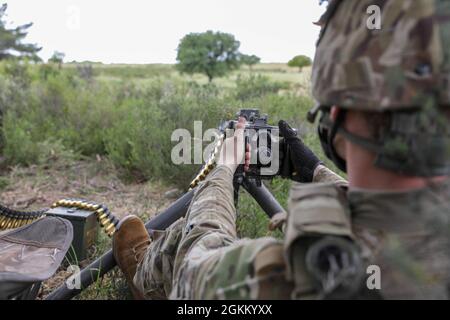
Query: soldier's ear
{"type": "Point", "coordinates": [334, 112]}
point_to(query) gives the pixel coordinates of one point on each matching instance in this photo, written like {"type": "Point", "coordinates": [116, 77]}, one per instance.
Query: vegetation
{"type": "Point", "coordinates": [300, 62]}
{"type": "Point", "coordinates": [212, 53]}
{"type": "Point", "coordinates": [11, 39]}
{"type": "Point", "coordinates": [57, 58]}
{"type": "Point", "coordinates": [250, 60]}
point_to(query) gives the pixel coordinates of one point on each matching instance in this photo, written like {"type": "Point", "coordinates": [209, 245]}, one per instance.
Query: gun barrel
{"type": "Point", "coordinates": [263, 197]}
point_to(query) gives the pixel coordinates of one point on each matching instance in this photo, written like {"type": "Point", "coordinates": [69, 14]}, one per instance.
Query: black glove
{"type": "Point", "coordinates": [299, 161]}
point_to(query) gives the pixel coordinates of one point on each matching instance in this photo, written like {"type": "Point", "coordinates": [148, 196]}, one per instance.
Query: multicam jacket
{"type": "Point", "coordinates": [405, 234]}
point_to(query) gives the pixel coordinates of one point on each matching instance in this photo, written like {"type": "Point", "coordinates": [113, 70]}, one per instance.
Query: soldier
{"type": "Point", "coordinates": [384, 100]}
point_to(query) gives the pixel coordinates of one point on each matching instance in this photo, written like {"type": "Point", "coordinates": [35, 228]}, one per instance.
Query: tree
{"type": "Point", "coordinates": [211, 53]}
{"type": "Point", "coordinates": [57, 58]}
{"type": "Point", "coordinates": [11, 39]}
{"type": "Point", "coordinates": [250, 60]}
{"type": "Point", "coordinates": [300, 61]}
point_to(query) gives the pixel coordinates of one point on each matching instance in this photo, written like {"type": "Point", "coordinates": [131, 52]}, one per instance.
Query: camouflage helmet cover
{"type": "Point", "coordinates": [400, 65]}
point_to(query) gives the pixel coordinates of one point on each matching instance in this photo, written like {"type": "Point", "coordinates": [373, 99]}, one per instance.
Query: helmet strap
{"type": "Point", "coordinates": [335, 127]}
{"type": "Point", "coordinates": [327, 130]}
{"type": "Point", "coordinates": [337, 160]}
{"type": "Point", "coordinates": [363, 142]}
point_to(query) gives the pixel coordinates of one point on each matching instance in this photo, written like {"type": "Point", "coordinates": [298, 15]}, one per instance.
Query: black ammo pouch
{"type": "Point", "coordinates": [32, 254]}
{"type": "Point", "coordinates": [322, 259]}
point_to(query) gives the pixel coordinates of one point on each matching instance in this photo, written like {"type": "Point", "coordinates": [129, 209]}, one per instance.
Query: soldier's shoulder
{"type": "Point", "coordinates": [323, 191]}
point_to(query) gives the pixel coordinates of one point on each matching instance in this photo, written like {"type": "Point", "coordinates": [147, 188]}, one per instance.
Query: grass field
{"type": "Point", "coordinates": [102, 133]}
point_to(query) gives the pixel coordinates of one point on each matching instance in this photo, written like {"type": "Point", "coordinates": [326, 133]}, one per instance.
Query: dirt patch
{"type": "Point", "coordinates": [38, 187]}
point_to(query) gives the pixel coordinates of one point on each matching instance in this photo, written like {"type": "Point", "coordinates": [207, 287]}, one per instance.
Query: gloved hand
{"type": "Point", "coordinates": [299, 160]}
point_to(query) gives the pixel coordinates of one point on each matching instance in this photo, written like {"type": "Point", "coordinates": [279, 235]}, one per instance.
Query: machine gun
{"type": "Point", "coordinates": [267, 148]}
{"type": "Point", "coordinates": [250, 181]}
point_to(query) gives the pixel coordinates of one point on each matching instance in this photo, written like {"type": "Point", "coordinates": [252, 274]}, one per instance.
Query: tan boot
{"type": "Point", "coordinates": [130, 242]}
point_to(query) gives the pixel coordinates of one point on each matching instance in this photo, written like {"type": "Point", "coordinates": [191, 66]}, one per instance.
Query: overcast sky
{"type": "Point", "coordinates": [148, 31]}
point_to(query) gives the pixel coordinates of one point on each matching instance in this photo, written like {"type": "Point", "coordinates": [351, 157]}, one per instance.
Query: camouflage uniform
{"type": "Point", "coordinates": [407, 235]}
{"type": "Point", "coordinates": [200, 257]}
{"type": "Point", "coordinates": [403, 68]}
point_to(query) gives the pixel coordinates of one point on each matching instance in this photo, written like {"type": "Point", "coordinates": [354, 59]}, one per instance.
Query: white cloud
{"type": "Point", "coordinates": [148, 31]}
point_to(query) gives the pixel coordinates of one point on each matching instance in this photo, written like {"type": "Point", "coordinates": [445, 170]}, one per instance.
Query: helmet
{"type": "Point", "coordinates": [400, 67]}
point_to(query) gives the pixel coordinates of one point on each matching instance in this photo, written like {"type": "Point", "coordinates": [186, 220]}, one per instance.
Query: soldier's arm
{"type": "Point", "coordinates": [323, 174]}
{"type": "Point", "coordinates": [182, 255]}
{"type": "Point", "coordinates": [212, 207]}
{"type": "Point", "coordinates": [211, 263]}
{"type": "Point", "coordinates": [210, 226]}
{"type": "Point", "coordinates": [212, 210]}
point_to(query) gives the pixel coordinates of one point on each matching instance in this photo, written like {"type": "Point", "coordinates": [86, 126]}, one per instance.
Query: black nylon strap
{"type": "Point", "coordinates": [363, 142]}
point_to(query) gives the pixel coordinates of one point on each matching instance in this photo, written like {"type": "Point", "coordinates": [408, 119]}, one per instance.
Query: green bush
{"type": "Point", "coordinates": [17, 70]}
{"type": "Point", "coordinates": [21, 147]}
{"type": "Point", "coordinates": [140, 141]}
{"type": "Point", "coordinates": [61, 107]}
{"type": "Point", "coordinates": [255, 86]}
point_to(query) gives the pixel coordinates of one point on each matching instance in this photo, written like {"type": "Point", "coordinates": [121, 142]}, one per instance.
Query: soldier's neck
{"type": "Point", "coordinates": [363, 174]}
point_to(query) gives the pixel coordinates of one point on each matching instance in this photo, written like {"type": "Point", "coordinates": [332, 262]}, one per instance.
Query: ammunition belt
{"type": "Point", "coordinates": [10, 218]}
{"type": "Point", "coordinates": [209, 165]}
{"type": "Point", "coordinates": [106, 219]}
